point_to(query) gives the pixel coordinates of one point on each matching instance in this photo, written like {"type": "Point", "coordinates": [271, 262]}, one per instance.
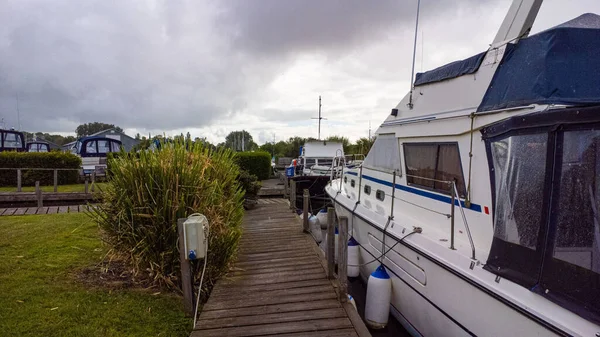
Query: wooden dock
{"type": "Point", "coordinates": [278, 285]}
{"type": "Point", "coordinates": [43, 210]}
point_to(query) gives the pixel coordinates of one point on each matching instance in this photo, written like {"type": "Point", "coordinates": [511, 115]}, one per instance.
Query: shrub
{"type": "Point", "coordinates": [51, 160]}
{"type": "Point", "coordinates": [257, 163]}
{"type": "Point", "coordinates": [146, 194]}
{"type": "Point", "coordinates": [250, 184]}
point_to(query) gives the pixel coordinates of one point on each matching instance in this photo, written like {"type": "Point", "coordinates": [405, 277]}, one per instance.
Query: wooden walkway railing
{"type": "Point", "coordinates": [278, 286]}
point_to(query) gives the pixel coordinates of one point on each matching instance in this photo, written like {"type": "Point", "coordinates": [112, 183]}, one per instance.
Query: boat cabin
{"type": "Point", "coordinates": [93, 152]}
{"type": "Point", "coordinates": [316, 157]}
{"type": "Point", "coordinates": [38, 146]}
{"type": "Point", "coordinates": [11, 140]}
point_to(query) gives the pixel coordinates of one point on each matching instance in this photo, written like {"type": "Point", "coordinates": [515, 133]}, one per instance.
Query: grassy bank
{"type": "Point", "coordinates": [40, 257]}
{"type": "Point", "coordinates": [61, 188]}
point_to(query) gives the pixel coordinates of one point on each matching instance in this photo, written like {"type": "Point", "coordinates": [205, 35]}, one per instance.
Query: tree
{"type": "Point", "coordinates": [348, 148]}
{"type": "Point", "coordinates": [363, 145]}
{"type": "Point", "coordinates": [138, 136]}
{"type": "Point", "coordinates": [240, 141]}
{"type": "Point", "coordinates": [91, 128]}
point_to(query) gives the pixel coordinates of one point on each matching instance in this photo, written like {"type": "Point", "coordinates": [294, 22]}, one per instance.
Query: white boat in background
{"type": "Point", "coordinates": [316, 158]}
{"type": "Point", "coordinates": [481, 193]}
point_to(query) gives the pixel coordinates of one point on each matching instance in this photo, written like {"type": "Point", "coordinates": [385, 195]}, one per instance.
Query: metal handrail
{"type": "Point", "coordinates": [462, 212]}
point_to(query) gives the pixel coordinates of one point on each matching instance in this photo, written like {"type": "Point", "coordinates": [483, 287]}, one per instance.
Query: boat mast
{"type": "Point", "coordinates": [412, 72]}
{"type": "Point", "coordinates": [319, 118]}
{"type": "Point", "coordinates": [518, 20]}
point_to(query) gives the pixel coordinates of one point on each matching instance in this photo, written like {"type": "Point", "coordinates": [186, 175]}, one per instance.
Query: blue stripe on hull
{"type": "Point", "coordinates": [423, 193]}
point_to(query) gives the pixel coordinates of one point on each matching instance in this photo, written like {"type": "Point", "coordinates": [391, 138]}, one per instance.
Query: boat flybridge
{"type": "Point", "coordinates": [11, 140]}
{"type": "Point", "coordinates": [93, 151]}
{"type": "Point", "coordinates": [481, 193]}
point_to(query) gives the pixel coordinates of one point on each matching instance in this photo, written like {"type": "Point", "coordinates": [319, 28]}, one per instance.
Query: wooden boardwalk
{"type": "Point", "coordinates": [278, 285]}
{"type": "Point", "coordinates": [43, 210]}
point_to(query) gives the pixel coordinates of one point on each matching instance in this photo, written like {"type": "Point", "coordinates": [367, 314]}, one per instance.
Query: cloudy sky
{"type": "Point", "coordinates": [211, 67]}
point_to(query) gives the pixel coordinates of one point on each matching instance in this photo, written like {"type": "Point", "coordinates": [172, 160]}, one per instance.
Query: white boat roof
{"type": "Point", "coordinates": [322, 149]}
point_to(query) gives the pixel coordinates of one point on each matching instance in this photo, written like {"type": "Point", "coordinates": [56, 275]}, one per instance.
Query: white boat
{"type": "Point", "coordinates": [316, 158]}
{"type": "Point", "coordinates": [481, 194]}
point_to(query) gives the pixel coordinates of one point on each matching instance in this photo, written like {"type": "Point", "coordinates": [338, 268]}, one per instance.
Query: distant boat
{"type": "Point", "coordinates": [11, 140]}
{"type": "Point", "coordinates": [38, 146]}
{"type": "Point", "coordinates": [93, 152]}
{"type": "Point", "coordinates": [481, 193]}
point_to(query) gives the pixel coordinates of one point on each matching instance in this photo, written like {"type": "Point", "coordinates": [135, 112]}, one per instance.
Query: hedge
{"type": "Point", "coordinates": [52, 160]}
{"type": "Point", "coordinates": [257, 163]}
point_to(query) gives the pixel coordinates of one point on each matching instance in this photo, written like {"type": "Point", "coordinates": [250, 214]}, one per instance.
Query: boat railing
{"type": "Point", "coordinates": [337, 162]}
{"type": "Point", "coordinates": [454, 195]}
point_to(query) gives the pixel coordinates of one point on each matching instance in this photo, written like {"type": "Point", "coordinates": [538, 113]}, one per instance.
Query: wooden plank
{"type": "Point", "coordinates": [63, 209]}
{"type": "Point", "coordinates": [300, 275]}
{"type": "Point", "coordinates": [277, 328]}
{"type": "Point", "coordinates": [73, 209]}
{"type": "Point", "coordinates": [9, 211]}
{"type": "Point", "coordinates": [270, 256]}
{"type": "Point", "coordinates": [52, 210]}
{"type": "Point", "coordinates": [270, 309]}
{"type": "Point", "coordinates": [250, 271]}
{"type": "Point", "coordinates": [242, 302]}
{"type": "Point", "coordinates": [268, 287]}
{"type": "Point", "coordinates": [31, 210]}
{"type": "Point", "coordinates": [2, 210]}
{"type": "Point", "coordinates": [328, 333]}
{"type": "Point", "coordinates": [271, 293]}
{"type": "Point", "coordinates": [42, 210]}
{"type": "Point", "coordinates": [271, 318]}
{"type": "Point", "coordinates": [20, 211]}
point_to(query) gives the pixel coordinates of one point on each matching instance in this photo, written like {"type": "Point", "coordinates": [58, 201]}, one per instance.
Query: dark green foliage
{"type": "Point", "coordinates": [250, 184]}
{"type": "Point", "coordinates": [38, 160]}
{"type": "Point", "coordinates": [256, 163]}
{"type": "Point", "coordinates": [91, 128]}
{"type": "Point", "coordinates": [148, 191]}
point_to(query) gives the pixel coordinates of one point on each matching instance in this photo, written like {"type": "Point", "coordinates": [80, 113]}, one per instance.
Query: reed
{"type": "Point", "coordinates": [148, 191]}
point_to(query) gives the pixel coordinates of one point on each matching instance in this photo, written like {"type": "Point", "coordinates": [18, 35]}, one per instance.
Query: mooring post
{"type": "Point", "coordinates": [186, 273]}
{"type": "Point", "coordinates": [86, 185]}
{"type": "Point", "coordinates": [18, 180]}
{"type": "Point", "coordinates": [330, 242]}
{"type": "Point", "coordinates": [293, 195]}
{"type": "Point", "coordinates": [38, 195]}
{"type": "Point", "coordinates": [343, 258]}
{"type": "Point", "coordinates": [55, 181]}
{"type": "Point", "coordinates": [306, 201]}
{"type": "Point", "coordinates": [93, 180]}
{"type": "Point", "coordinates": [286, 187]}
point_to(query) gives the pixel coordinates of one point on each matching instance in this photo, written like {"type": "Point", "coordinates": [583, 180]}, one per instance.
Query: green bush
{"type": "Point", "coordinates": [257, 163]}
{"type": "Point", "coordinates": [147, 192]}
{"type": "Point", "coordinates": [250, 184]}
{"type": "Point", "coordinates": [62, 160]}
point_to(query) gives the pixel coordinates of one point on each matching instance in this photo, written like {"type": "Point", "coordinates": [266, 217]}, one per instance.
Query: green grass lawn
{"type": "Point", "coordinates": [61, 188]}
{"type": "Point", "coordinates": [40, 296]}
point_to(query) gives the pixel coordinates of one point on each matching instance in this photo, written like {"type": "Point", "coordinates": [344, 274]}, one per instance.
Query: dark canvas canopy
{"type": "Point", "coordinates": [558, 66]}
{"type": "Point", "coordinates": [450, 70]}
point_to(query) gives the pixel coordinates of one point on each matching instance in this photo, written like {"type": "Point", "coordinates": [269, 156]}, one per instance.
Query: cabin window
{"type": "Point", "coordinates": [380, 195]}
{"type": "Point", "coordinates": [519, 163]}
{"type": "Point", "coordinates": [432, 165]}
{"type": "Point", "coordinates": [546, 207]}
{"type": "Point", "coordinates": [345, 180]}
{"type": "Point", "coordinates": [308, 162]}
{"type": "Point", "coordinates": [367, 189]}
{"type": "Point", "coordinates": [103, 146]}
{"type": "Point", "coordinates": [12, 140]}
{"type": "Point", "coordinates": [115, 147]}
{"type": "Point", "coordinates": [325, 162]}
{"type": "Point", "coordinates": [384, 155]}
{"type": "Point", "coordinates": [352, 183]}
{"type": "Point", "coordinates": [90, 147]}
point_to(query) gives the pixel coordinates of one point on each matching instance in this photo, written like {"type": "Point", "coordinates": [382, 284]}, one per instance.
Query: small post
{"type": "Point", "coordinates": [18, 180]}
{"type": "Point", "coordinates": [55, 181]}
{"type": "Point", "coordinates": [286, 187]}
{"type": "Point", "coordinates": [452, 216]}
{"type": "Point", "coordinates": [306, 200]}
{"type": "Point", "coordinates": [293, 195]}
{"type": "Point", "coordinates": [343, 258]}
{"type": "Point", "coordinates": [38, 195]}
{"type": "Point", "coordinates": [86, 185]}
{"type": "Point", "coordinates": [186, 273]}
{"type": "Point", "coordinates": [93, 180]}
{"type": "Point", "coordinates": [330, 242]}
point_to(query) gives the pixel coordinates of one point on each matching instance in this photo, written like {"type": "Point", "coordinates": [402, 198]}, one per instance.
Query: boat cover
{"type": "Point", "coordinates": [450, 70]}
{"type": "Point", "coordinates": [560, 65]}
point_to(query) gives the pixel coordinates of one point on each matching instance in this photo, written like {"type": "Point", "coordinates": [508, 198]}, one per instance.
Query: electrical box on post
{"type": "Point", "coordinates": [194, 236]}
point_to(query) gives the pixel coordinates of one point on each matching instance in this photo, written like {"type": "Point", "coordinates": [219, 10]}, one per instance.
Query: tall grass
{"type": "Point", "coordinates": [147, 192]}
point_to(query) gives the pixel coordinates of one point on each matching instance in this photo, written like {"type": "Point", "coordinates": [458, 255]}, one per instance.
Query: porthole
{"type": "Point", "coordinates": [367, 189]}
{"type": "Point", "coordinates": [380, 195]}
{"type": "Point", "coordinates": [345, 180]}
{"type": "Point", "coordinates": [352, 183]}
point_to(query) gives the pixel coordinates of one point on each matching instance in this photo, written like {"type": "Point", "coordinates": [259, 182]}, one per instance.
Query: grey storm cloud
{"type": "Point", "coordinates": [170, 64]}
